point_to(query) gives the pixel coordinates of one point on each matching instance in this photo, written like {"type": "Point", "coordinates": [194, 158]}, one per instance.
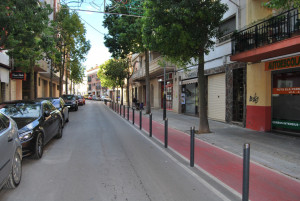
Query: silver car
{"type": "Point", "coordinates": [10, 153]}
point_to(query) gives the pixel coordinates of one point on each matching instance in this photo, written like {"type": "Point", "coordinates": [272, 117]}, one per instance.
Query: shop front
{"type": "Point", "coordinates": [285, 94]}
{"type": "Point", "coordinates": [169, 90]}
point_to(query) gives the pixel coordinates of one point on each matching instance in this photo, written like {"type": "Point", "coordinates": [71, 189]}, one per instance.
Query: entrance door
{"type": "Point", "coordinates": [238, 95]}
{"type": "Point", "coordinates": [169, 96]}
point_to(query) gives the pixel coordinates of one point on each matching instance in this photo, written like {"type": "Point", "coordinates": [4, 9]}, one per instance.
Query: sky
{"type": "Point", "coordinates": [98, 53]}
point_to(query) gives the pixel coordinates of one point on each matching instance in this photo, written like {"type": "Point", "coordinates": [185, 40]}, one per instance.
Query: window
{"type": "Point", "coordinates": [90, 87]}
{"type": "Point", "coordinates": [89, 79]}
{"type": "Point", "coordinates": [4, 122]}
{"type": "Point", "coordinates": [228, 26]}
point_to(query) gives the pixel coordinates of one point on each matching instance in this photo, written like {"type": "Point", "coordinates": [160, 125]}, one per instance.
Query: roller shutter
{"type": "Point", "coordinates": [217, 97]}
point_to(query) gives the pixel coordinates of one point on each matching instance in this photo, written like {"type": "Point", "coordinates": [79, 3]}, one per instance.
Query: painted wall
{"type": "Point", "coordinates": [258, 98]}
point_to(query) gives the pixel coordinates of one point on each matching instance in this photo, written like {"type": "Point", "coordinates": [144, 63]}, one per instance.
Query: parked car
{"type": "Point", "coordinates": [81, 100]}
{"type": "Point", "coordinates": [71, 101]}
{"type": "Point", "coordinates": [90, 97]}
{"type": "Point", "coordinates": [38, 122]}
{"type": "Point", "coordinates": [10, 153]}
{"type": "Point", "coordinates": [60, 104]}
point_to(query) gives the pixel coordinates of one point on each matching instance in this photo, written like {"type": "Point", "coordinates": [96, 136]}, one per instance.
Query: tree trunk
{"type": "Point", "coordinates": [31, 80]}
{"type": "Point", "coordinates": [127, 94]}
{"type": "Point", "coordinates": [148, 106]}
{"type": "Point", "coordinates": [51, 78]}
{"type": "Point", "coordinates": [122, 94]}
{"type": "Point", "coordinates": [203, 123]}
{"type": "Point", "coordinates": [66, 82]}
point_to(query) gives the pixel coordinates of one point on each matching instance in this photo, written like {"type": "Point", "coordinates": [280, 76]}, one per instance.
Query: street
{"type": "Point", "coordinates": [103, 157]}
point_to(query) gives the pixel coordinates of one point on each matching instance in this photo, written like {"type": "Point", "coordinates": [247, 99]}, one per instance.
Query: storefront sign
{"type": "Point", "coordinates": [288, 90]}
{"type": "Point", "coordinates": [18, 75]}
{"type": "Point", "coordinates": [286, 124]}
{"type": "Point", "coordinates": [285, 63]}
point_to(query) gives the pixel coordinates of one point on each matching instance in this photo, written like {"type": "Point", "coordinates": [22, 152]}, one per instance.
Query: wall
{"type": "Point", "coordinates": [258, 98]}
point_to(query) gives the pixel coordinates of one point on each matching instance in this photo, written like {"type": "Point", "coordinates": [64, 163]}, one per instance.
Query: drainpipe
{"type": "Point", "coordinates": [238, 13]}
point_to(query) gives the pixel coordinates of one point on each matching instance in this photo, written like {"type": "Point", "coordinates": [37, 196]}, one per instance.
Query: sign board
{"type": "Point", "coordinates": [286, 124]}
{"type": "Point", "coordinates": [18, 75]}
{"type": "Point", "coordinates": [285, 63]}
{"type": "Point", "coordinates": [287, 90]}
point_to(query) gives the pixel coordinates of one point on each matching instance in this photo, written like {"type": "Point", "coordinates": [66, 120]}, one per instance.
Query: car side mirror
{"type": "Point", "coordinates": [46, 113]}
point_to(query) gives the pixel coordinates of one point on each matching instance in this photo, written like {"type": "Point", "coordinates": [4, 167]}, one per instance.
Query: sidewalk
{"type": "Point", "coordinates": [265, 184]}
{"type": "Point", "coordinates": [276, 151]}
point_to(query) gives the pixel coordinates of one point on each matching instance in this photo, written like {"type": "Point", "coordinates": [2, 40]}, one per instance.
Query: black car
{"type": "Point", "coordinates": [38, 122]}
{"type": "Point", "coordinates": [60, 104]}
{"type": "Point", "coordinates": [71, 101]}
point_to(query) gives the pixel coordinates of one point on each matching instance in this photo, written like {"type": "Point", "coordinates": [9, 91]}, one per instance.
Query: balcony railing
{"type": "Point", "coordinates": [155, 66]}
{"type": "Point", "coordinates": [270, 31]}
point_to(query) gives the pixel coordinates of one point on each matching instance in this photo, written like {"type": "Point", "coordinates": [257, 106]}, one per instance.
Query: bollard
{"type": "Point", "coordinates": [166, 133]}
{"type": "Point", "coordinates": [124, 111]}
{"type": "Point", "coordinates": [150, 125]}
{"type": "Point", "coordinates": [128, 113]}
{"type": "Point", "coordinates": [192, 151]}
{"type": "Point", "coordinates": [133, 116]}
{"type": "Point", "coordinates": [140, 119]}
{"type": "Point", "coordinates": [120, 110]}
{"type": "Point", "coordinates": [246, 168]}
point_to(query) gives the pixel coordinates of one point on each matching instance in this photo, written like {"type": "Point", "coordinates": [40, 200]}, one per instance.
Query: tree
{"type": "Point", "coordinates": [71, 43]}
{"type": "Point", "coordinates": [282, 4]}
{"type": "Point", "coordinates": [184, 31]}
{"type": "Point", "coordinates": [124, 37]}
{"type": "Point", "coordinates": [24, 38]}
{"type": "Point", "coordinates": [114, 72]}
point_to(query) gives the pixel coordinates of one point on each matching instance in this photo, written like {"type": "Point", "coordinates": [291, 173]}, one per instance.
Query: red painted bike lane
{"type": "Point", "coordinates": [265, 184]}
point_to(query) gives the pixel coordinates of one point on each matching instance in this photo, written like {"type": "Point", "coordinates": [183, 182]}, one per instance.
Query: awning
{"type": "Point", "coordinates": [190, 81]}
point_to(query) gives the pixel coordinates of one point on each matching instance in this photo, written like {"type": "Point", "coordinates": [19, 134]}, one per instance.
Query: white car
{"type": "Point", "coordinates": [10, 153]}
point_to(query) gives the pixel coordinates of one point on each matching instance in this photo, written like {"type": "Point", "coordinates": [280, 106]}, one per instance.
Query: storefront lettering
{"type": "Point", "coordinates": [254, 98]}
{"type": "Point", "coordinates": [287, 90]}
{"type": "Point", "coordinates": [283, 63]}
{"type": "Point", "coordinates": [286, 124]}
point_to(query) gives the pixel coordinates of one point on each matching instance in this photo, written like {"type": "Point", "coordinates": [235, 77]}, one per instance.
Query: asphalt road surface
{"type": "Point", "coordinates": [103, 157]}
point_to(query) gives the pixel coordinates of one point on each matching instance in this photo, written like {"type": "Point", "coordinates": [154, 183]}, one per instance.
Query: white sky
{"type": "Point", "coordinates": [98, 53]}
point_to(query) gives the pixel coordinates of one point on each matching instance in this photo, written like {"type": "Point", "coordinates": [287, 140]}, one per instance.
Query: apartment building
{"type": "Point", "coordinates": [156, 72]}
{"type": "Point", "coordinates": [270, 46]}
{"type": "Point", "coordinates": [94, 83]}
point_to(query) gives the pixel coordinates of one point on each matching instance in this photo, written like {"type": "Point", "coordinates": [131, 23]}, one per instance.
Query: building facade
{"type": "Point", "coordinates": [271, 50]}
{"type": "Point", "coordinates": [94, 83]}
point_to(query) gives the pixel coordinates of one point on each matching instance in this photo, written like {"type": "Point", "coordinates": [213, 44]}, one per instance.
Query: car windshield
{"type": "Point", "coordinates": [56, 103]}
{"type": "Point", "coordinates": [68, 97]}
{"type": "Point", "coordinates": [22, 110]}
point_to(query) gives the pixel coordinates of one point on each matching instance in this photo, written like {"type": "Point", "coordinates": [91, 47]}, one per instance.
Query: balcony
{"type": "Point", "coordinates": [279, 35]}
{"type": "Point", "coordinates": [155, 69]}
{"type": "Point", "coordinates": [42, 66]}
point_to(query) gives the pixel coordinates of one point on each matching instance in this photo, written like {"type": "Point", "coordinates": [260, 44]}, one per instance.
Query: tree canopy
{"type": "Point", "coordinates": [282, 4]}
{"type": "Point", "coordinates": [184, 31]}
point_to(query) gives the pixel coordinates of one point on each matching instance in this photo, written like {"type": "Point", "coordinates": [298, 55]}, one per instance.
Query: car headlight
{"type": "Point", "coordinates": [25, 136]}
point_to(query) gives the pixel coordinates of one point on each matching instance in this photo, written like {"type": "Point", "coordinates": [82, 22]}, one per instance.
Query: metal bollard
{"type": "Point", "coordinates": [133, 116]}
{"type": "Point", "coordinates": [124, 111]}
{"type": "Point", "coordinates": [150, 125]}
{"type": "Point", "coordinates": [140, 119]}
{"type": "Point", "coordinates": [128, 113]}
{"type": "Point", "coordinates": [192, 152]}
{"type": "Point", "coordinates": [120, 109]}
{"type": "Point", "coordinates": [166, 133]}
{"type": "Point", "coordinates": [246, 168]}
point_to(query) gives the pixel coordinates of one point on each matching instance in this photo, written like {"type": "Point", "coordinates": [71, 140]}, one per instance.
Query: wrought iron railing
{"type": "Point", "coordinates": [270, 31]}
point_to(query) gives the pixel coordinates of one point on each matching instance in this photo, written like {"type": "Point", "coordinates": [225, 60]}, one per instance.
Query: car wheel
{"type": "Point", "coordinates": [16, 172]}
{"type": "Point", "coordinates": [67, 120]}
{"type": "Point", "coordinates": [59, 132]}
{"type": "Point", "coordinates": [39, 147]}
